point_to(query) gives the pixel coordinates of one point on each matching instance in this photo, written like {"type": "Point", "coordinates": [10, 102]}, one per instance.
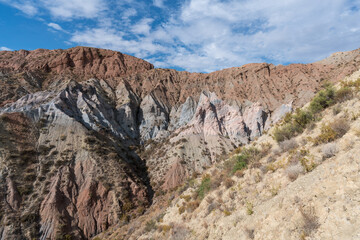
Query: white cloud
{"type": "Point", "coordinates": [158, 3]}
{"type": "Point", "coordinates": [143, 26]}
{"type": "Point", "coordinates": [62, 9]}
{"type": "Point", "coordinates": [66, 10]}
{"type": "Point", "coordinates": [127, 13]}
{"type": "Point", "coordinates": [26, 6]}
{"type": "Point", "coordinates": [111, 39]}
{"type": "Point", "coordinates": [5, 49]}
{"type": "Point", "coordinates": [207, 35]}
{"type": "Point", "coordinates": [55, 26]}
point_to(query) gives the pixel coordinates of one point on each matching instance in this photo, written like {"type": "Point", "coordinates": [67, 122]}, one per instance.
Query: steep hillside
{"type": "Point", "coordinates": [90, 138]}
{"type": "Point", "coordinates": [303, 186]}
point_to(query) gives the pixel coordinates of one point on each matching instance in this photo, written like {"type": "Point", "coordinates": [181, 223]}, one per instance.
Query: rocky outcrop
{"type": "Point", "coordinates": [176, 175]}
{"type": "Point", "coordinates": [81, 62]}
{"type": "Point", "coordinates": [80, 174]}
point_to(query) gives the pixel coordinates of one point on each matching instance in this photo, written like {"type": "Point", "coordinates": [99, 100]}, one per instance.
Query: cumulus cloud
{"type": "Point", "coordinates": [65, 9]}
{"type": "Point", "coordinates": [143, 26]}
{"type": "Point", "coordinates": [55, 26]}
{"type": "Point", "coordinates": [116, 40]}
{"type": "Point", "coordinates": [207, 35]}
{"type": "Point", "coordinates": [5, 49]}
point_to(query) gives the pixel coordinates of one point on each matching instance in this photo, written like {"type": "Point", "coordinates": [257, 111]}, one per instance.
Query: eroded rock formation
{"type": "Point", "coordinates": [87, 135]}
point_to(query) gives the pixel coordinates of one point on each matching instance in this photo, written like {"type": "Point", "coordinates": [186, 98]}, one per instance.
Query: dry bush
{"type": "Point", "coordinates": [232, 195]}
{"type": "Point", "coordinates": [179, 232]}
{"type": "Point", "coordinates": [265, 149]}
{"type": "Point", "coordinates": [209, 200]}
{"type": "Point", "coordinates": [327, 134]}
{"type": "Point", "coordinates": [310, 221]}
{"type": "Point", "coordinates": [239, 173]}
{"type": "Point", "coordinates": [150, 226]}
{"type": "Point", "coordinates": [229, 183]}
{"type": "Point", "coordinates": [295, 157]}
{"type": "Point", "coordinates": [332, 131]}
{"type": "Point", "coordinates": [250, 233]}
{"type": "Point", "coordinates": [181, 210]}
{"type": "Point", "coordinates": [336, 109]}
{"type": "Point", "coordinates": [249, 208]}
{"type": "Point", "coordinates": [227, 212]}
{"type": "Point", "coordinates": [288, 145]}
{"type": "Point", "coordinates": [344, 94]}
{"type": "Point", "coordinates": [341, 126]}
{"type": "Point", "coordinates": [216, 181]}
{"type": "Point", "coordinates": [293, 171]}
{"type": "Point", "coordinates": [191, 206]}
{"type": "Point", "coordinates": [164, 228]}
{"type": "Point", "coordinates": [329, 150]}
{"type": "Point", "coordinates": [211, 207]}
{"type": "Point", "coordinates": [276, 152]}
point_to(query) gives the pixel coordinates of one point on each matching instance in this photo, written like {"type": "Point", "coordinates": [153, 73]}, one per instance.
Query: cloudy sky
{"type": "Point", "coordinates": [192, 35]}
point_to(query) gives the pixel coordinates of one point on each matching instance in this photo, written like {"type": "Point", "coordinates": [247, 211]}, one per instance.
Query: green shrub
{"type": "Point", "coordinates": [240, 163]}
{"type": "Point", "coordinates": [302, 118]}
{"type": "Point", "coordinates": [286, 132]}
{"type": "Point", "coordinates": [251, 154]}
{"type": "Point", "coordinates": [294, 124]}
{"type": "Point", "coordinates": [322, 100]}
{"type": "Point", "coordinates": [205, 186]}
{"type": "Point", "coordinates": [249, 208]}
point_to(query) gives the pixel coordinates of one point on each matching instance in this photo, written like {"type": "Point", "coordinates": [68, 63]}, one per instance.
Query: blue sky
{"type": "Point", "coordinates": [192, 35]}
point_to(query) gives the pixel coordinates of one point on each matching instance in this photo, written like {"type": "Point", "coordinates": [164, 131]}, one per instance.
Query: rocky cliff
{"type": "Point", "coordinates": [306, 187]}
{"type": "Point", "coordinates": [88, 135]}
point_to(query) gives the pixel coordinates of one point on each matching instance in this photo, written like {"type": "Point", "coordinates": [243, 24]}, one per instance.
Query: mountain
{"type": "Point", "coordinates": [303, 187]}
{"type": "Point", "coordinates": [91, 138]}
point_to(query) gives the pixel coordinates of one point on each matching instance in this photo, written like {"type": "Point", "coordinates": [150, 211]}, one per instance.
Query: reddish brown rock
{"type": "Point", "coordinates": [175, 176]}
{"type": "Point", "coordinates": [82, 62]}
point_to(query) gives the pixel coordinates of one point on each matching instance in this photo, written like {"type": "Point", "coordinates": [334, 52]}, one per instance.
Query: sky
{"type": "Point", "coordinates": [191, 35]}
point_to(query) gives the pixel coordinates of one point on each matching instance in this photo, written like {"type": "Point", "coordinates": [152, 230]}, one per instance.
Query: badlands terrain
{"type": "Point", "coordinates": [96, 144]}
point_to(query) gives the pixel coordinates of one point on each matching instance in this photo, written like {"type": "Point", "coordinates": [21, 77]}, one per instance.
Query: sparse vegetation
{"type": "Point", "coordinates": [294, 124]}
{"type": "Point", "coordinates": [204, 187]}
{"type": "Point", "coordinates": [288, 145]}
{"type": "Point", "coordinates": [310, 221]}
{"type": "Point", "coordinates": [150, 226]}
{"type": "Point", "coordinates": [227, 212]}
{"type": "Point", "coordinates": [249, 208]}
{"type": "Point", "coordinates": [228, 183]}
{"type": "Point", "coordinates": [293, 171]}
{"type": "Point", "coordinates": [332, 131]}
{"type": "Point", "coordinates": [329, 150]}
{"type": "Point", "coordinates": [323, 99]}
